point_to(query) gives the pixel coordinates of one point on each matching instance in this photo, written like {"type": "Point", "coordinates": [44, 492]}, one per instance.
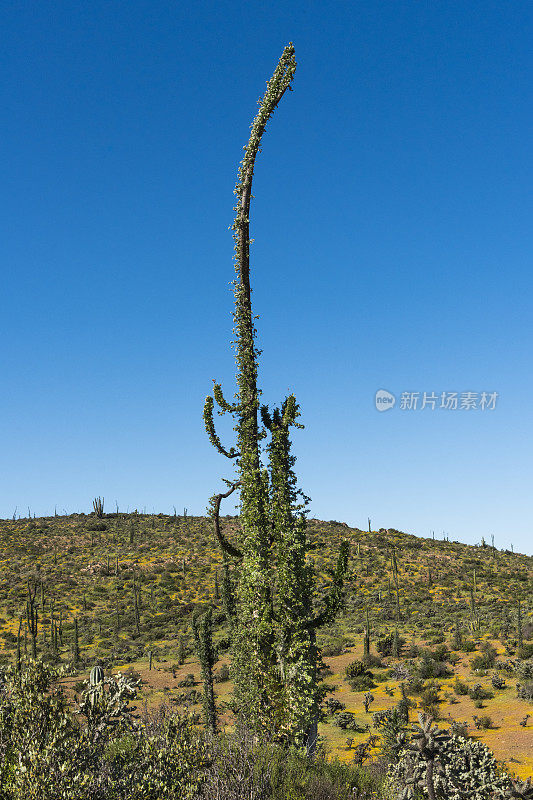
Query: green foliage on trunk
{"type": "Point", "coordinates": [203, 636]}
{"type": "Point", "coordinates": [267, 586]}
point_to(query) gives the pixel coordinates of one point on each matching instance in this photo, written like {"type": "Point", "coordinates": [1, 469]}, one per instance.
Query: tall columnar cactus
{"type": "Point", "coordinates": [366, 639]}
{"type": "Point", "coordinates": [396, 645]}
{"type": "Point", "coordinates": [458, 634]}
{"type": "Point", "coordinates": [136, 592]}
{"type": "Point", "coordinates": [472, 609]}
{"type": "Point", "coordinates": [203, 637]}
{"type": "Point", "coordinates": [18, 644]}
{"type": "Point", "coordinates": [98, 506]}
{"type": "Point", "coordinates": [96, 676]}
{"type": "Point", "coordinates": [273, 623]}
{"type": "Point", "coordinates": [519, 624]}
{"type": "Point", "coordinates": [76, 644]}
{"type": "Point", "coordinates": [32, 617]}
{"type": "Point", "coordinates": [394, 565]}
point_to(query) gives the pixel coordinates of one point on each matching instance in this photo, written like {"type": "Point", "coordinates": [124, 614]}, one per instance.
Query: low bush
{"type": "Point", "coordinates": [333, 647]}
{"type": "Point", "coordinates": [526, 651]}
{"type": "Point", "coordinates": [346, 721]}
{"type": "Point", "coordinates": [223, 674]}
{"type": "Point", "coordinates": [333, 705]}
{"type": "Point", "coordinates": [525, 690]}
{"type": "Point", "coordinates": [460, 687]}
{"type": "Point", "coordinates": [355, 668]}
{"type": "Point", "coordinates": [362, 683]}
{"type": "Point", "coordinates": [428, 667]}
{"type": "Point", "coordinates": [498, 682]}
{"type": "Point", "coordinates": [478, 692]}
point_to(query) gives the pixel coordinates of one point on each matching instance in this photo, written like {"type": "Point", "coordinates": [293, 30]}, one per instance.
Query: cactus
{"type": "Point", "coordinates": [366, 641]}
{"type": "Point", "coordinates": [396, 644]}
{"type": "Point", "coordinates": [367, 700]}
{"type": "Point", "coordinates": [98, 506]}
{"type": "Point", "coordinates": [76, 644]}
{"type": "Point", "coordinates": [434, 764]}
{"type": "Point", "coordinates": [18, 645]}
{"type": "Point", "coordinates": [207, 655]}
{"type": "Point", "coordinates": [519, 625]}
{"type": "Point", "coordinates": [498, 682]}
{"type": "Point", "coordinates": [105, 710]}
{"type": "Point", "coordinates": [457, 636]}
{"type": "Point", "coordinates": [182, 653]}
{"type": "Point", "coordinates": [32, 618]}
{"type": "Point", "coordinates": [96, 676]}
{"type": "Point", "coordinates": [520, 790]}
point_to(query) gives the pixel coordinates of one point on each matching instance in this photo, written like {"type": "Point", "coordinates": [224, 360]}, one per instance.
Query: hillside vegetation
{"type": "Point", "coordinates": [447, 626]}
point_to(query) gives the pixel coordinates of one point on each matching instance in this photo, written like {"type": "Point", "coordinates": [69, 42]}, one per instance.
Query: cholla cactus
{"type": "Point", "coordinates": [440, 766]}
{"type": "Point", "coordinates": [367, 700]}
{"type": "Point", "coordinates": [498, 682]}
{"type": "Point", "coordinates": [520, 790]}
{"type": "Point", "coordinates": [401, 672]}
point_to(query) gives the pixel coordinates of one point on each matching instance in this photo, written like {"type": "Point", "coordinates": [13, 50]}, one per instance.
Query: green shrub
{"type": "Point", "coordinates": [223, 674]}
{"type": "Point", "coordinates": [166, 762]}
{"type": "Point", "coordinates": [333, 647]}
{"type": "Point", "coordinates": [384, 646]}
{"type": "Point", "coordinates": [362, 683]}
{"type": "Point", "coordinates": [460, 687]}
{"type": "Point", "coordinates": [355, 668]}
{"type": "Point", "coordinates": [478, 692]}
{"type": "Point", "coordinates": [526, 651]}
{"type": "Point", "coordinates": [391, 725]}
{"type": "Point", "coordinates": [525, 690]}
{"type": "Point", "coordinates": [333, 705]}
{"type": "Point", "coordinates": [428, 667]}
{"type": "Point", "coordinates": [44, 755]}
{"type": "Point", "coordinates": [346, 721]}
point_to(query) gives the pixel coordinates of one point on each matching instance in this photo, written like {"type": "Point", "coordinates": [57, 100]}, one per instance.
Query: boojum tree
{"type": "Point", "coordinates": [268, 585]}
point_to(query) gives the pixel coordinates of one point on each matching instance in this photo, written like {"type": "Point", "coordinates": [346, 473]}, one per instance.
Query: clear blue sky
{"type": "Point", "coordinates": [393, 250]}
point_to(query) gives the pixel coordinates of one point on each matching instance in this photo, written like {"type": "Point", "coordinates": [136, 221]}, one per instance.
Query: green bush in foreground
{"type": "Point", "coordinates": [49, 753]}
{"type": "Point", "coordinates": [106, 752]}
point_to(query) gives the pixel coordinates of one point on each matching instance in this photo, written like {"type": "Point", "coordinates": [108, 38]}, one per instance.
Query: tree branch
{"type": "Point", "coordinates": [211, 432]}
{"type": "Point", "coordinates": [333, 601]}
{"type": "Point", "coordinates": [215, 511]}
{"type": "Point", "coordinates": [222, 402]}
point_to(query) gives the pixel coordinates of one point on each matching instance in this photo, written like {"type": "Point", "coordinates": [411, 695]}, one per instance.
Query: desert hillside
{"type": "Point", "coordinates": [449, 625]}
